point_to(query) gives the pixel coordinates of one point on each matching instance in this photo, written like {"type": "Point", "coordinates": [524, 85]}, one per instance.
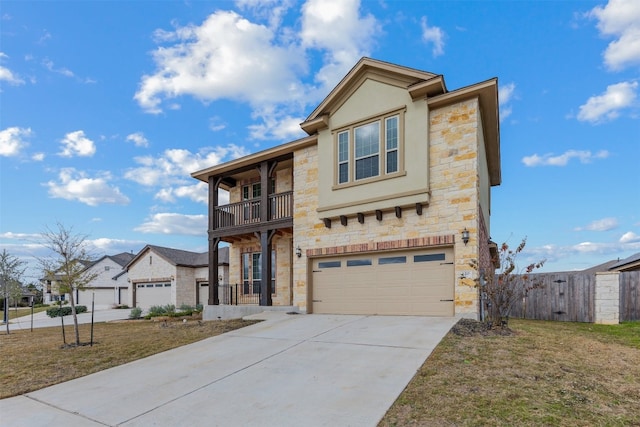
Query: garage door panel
{"type": "Point", "coordinates": [100, 297]}
{"type": "Point", "coordinates": [151, 294]}
{"type": "Point", "coordinates": [412, 282]}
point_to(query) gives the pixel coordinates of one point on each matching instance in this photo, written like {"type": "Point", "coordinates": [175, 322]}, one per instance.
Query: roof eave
{"type": "Point", "coordinates": [487, 93]}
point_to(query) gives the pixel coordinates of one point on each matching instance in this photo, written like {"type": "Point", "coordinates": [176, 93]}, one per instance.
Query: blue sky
{"type": "Point", "coordinates": [107, 107]}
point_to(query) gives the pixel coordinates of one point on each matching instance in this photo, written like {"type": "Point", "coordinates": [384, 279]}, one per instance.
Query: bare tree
{"type": "Point", "coordinates": [508, 285]}
{"type": "Point", "coordinates": [68, 266]}
{"type": "Point", "coordinates": [11, 269]}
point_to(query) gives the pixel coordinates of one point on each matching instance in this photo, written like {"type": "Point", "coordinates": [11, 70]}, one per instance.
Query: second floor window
{"type": "Point", "coordinates": [369, 149]}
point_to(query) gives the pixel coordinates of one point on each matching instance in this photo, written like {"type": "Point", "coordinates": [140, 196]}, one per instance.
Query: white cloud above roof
{"type": "Point", "coordinates": [76, 185]}
{"type": "Point", "coordinates": [13, 140]}
{"type": "Point", "coordinates": [229, 56]}
{"type": "Point", "coordinates": [584, 156]}
{"type": "Point", "coordinates": [174, 223]}
{"type": "Point", "coordinates": [77, 144]}
{"type": "Point", "coordinates": [604, 224]}
{"type": "Point", "coordinates": [433, 35]}
{"type": "Point", "coordinates": [7, 75]}
{"type": "Point", "coordinates": [620, 19]}
{"type": "Point", "coordinates": [608, 105]}
{"type": "Point", "coordinates": [138, 139]}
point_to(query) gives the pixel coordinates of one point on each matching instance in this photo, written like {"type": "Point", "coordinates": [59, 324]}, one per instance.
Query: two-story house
{"type": "Point", "coordinates": [379, 210]}
{"type": "Point", "coordinates": [109, 286]}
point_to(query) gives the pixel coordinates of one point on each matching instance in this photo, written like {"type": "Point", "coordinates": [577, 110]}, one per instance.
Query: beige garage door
{"type": "Point", "coordinates": [392, 283]}
{"type": "Point", "coordinates": [149, 294]}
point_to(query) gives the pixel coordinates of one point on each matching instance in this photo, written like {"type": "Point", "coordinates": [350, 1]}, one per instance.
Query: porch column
{"type": "Point", "coordinates": [265, 266]}
{"type": "Point", "coordinates": [214, 183]}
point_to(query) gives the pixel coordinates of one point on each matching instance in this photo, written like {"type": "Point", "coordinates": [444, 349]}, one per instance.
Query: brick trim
{"type": "Point", "coordinates": [419, 242]}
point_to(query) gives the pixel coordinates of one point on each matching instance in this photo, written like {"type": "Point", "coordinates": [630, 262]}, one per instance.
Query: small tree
{"type": "Point", "coordinates": [11, 269]}
{"type": "Point", "coordinates": [68, 266]}
{"type": "Point", "coordinates": [508, 285]}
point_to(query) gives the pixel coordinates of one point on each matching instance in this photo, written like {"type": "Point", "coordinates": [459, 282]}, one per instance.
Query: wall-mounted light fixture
{"type": "Point", "coordinates": [465, 236]}
{"type": "Point", "coordinates": [298, 252]}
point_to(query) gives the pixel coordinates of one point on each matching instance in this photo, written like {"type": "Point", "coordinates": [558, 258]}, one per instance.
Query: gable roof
{"type": "Point", "coordinates": [419, 85]}
{"type": "Point", "coordinates": [181, 258]}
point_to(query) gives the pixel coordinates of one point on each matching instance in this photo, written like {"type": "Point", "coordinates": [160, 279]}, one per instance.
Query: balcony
{"type": "Point", "coordinates": [245, 215]}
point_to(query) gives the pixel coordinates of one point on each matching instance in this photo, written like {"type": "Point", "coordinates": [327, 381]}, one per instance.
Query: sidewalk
{"type": "Point", "coordinates": [41, 320]}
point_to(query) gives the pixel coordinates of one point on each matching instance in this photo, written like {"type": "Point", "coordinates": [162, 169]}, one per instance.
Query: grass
{"type": "Point", "coordinates": [33, 360]}
{"type": "Point", "coordinates": [546, 373]}
{"type": "Point", "coordinates": [21, 311]}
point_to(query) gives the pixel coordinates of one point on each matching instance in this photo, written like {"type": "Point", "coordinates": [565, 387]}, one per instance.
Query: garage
{"type": "Point", "coordinates": [102, 297]}
{"type": "Point", "coordinates": [150, 294]}
{"type": "Point", "coordinates": [416, 282]}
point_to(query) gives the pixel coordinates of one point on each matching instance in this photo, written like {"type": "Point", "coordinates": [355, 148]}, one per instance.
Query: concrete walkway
{"type": "Point", "coordinates": [313, 370]}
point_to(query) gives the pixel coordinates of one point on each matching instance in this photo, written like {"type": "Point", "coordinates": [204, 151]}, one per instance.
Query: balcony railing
{"type": "Point", "coordinates": [248, 211]}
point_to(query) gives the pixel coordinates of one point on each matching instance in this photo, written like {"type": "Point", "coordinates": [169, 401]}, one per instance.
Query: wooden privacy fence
{"type": "Point", "coordinates": [571, 297]}
{"type": "Point", "coordinates": [630, 295]}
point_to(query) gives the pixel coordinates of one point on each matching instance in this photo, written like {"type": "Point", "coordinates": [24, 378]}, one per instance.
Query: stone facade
{"type": "Point", "coordinates": [437, 155]}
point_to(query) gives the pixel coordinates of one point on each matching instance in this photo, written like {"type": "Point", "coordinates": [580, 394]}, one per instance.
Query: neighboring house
{"type": "Point", "coordinates": [380, 210]}
{"type": "Point", "coordinates": [631, 263]}
{"type": "Point", "coordinates": [162, 276]}
{"type": "Point", "coordinates": [109, 288]}
{"type": "Point", "coordinates": [51, 287]}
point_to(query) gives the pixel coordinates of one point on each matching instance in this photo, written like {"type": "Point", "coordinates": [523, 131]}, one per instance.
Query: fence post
{"type": "Point", "coordinates": [607, 298]}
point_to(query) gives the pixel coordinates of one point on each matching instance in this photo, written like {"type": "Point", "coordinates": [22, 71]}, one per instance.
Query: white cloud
{"type": "Point", "coordinates": [173, 223]}
{"type": "Point", "coordinates": [336, 27]}
{"type": "Point", "coordinates": [198, 193]}
{"type": "Point", "coordinates": [225, 57]}
{"type": "Point", "coordinates": [138, 139]}
{"type": "Point", "coordinates": [604, 224]}
{"type": "Point", "coordinates": [608, 105]}
{"type": "Point", "coordinates": [75, 185]}
{"type": "Point", "coordinates": [433, 35]}
{"type": "Point", "coordinates": [49, 65]}
{"type": "Point", "coordinates": [630, 237]}
{"type": "Point", "coordinates": [176, 165]}
{"type": "Point", "coordinates": [271, 10]}
{"type": "Point", "coordinates": [7, 75]}
{"type": "Point", "coordinates": [563, 159]}
{"type": "Point", "coordinates": [230, 57]}
{"type": "Point", "coordinates": [505, 94]}
{"type": "Point", "coordinates": [13, 140]}
{"type": "Point", "coordinates": [620, 19]}
{"type": "Point", "coordinates": [216, 124]}
{"type": "Point", "coordinates": [38, 157]}
{"type": "Point", "coordinates": [77, 144]}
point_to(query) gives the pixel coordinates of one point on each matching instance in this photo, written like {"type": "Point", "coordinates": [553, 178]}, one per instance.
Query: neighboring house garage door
{"type": "Point", "coordinates": [416, 282]}
{"type": "Point", "coordinates": [149, 294]}
{"type": "Point", "coordinates": [103, 297]}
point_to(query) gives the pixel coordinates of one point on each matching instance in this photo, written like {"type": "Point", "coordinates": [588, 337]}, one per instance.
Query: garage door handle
{"type": "Point", "coordinates": [317, 271]}
{"type": "Point", "coordinates": [447, 300]}
{"type": "Point", "coordinates": [446, 263]}
{"type": "Point", "coordinates": [316, 300]}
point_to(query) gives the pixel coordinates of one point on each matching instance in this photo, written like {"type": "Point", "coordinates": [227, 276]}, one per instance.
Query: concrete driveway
{"type": "Point", "coordinates": [315, 370]}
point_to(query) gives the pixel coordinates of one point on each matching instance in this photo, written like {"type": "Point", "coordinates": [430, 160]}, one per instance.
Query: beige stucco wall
{"type": "Point", "coordinates": [372, 99]}
{"type": "Point", "coordinates": [453, 140]}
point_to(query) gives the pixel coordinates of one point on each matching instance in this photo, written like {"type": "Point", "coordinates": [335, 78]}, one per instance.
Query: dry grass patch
{"type": "Point", "coordinates": [33, 360]}
{"type": "Point", "coordinates": [544, 373]}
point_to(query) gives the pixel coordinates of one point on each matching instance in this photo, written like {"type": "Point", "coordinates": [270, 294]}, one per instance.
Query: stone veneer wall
{"type": "Point", "coordinates": [454, 205]}
{"type": "Point", "coordinates": [282, 246]}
